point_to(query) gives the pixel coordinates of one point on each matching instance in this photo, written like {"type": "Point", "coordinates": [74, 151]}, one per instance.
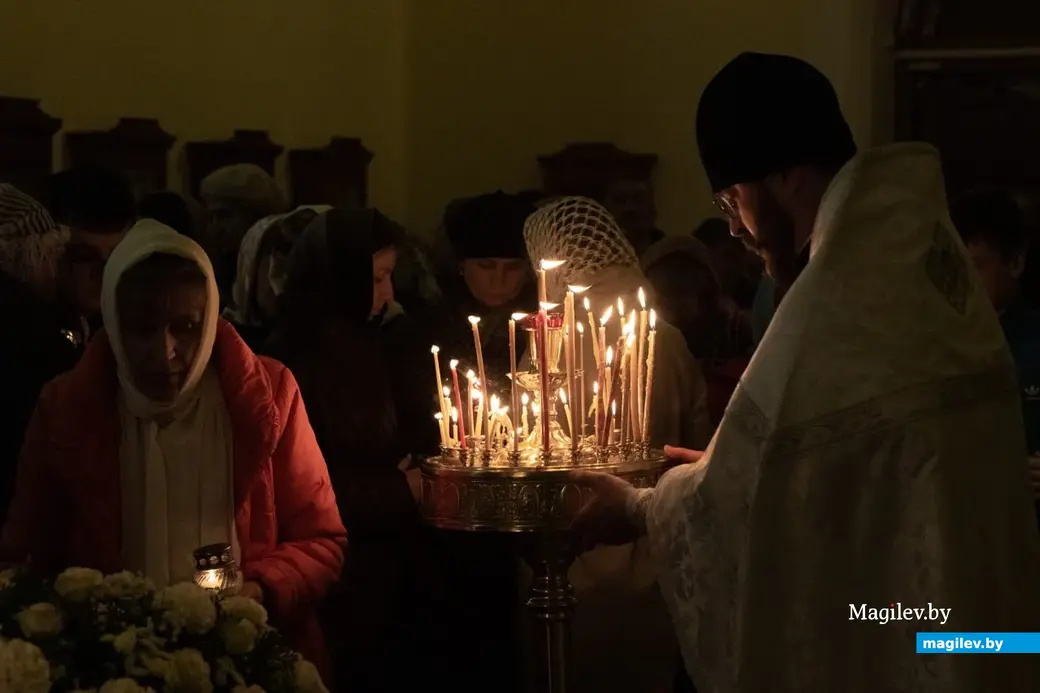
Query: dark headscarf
{"type": "Point", "coordinates": [762, 114]}
{"type": "Point", "coordinates": [490, 226]}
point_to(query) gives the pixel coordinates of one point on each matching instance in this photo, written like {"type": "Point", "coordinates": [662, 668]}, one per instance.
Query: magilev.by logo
{"type": "Point", "coordinates": [897, 612]}
{"type": "Point", "coordinates": [1031, 392]}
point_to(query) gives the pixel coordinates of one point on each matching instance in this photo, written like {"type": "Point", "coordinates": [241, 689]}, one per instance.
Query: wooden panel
{"type": "Point", "coordinates": [135, 147]}
{"type": "Point", "coordinates": [587, 168]}
{"type": "Point", "coordinates": [26, 144]}
{"type": "Point", "coordinates": [983, 116]}
{"type": "Point", "coordinates": [336, 174]}
{"type": "Point", "coordinates": [935, 24]}
{"type": "Point", "coordinates": [244, 147]}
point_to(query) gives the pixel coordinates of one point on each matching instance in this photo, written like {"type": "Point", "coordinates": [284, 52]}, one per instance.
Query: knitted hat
{"type": "Point", "coordinates": [490, 226]}
{"type": "Point", "coordinates": [245, 184]}
{"type": "Point", "coordinates": [30, 241]}
{"type": "Point", "coordinates": [762, 114]}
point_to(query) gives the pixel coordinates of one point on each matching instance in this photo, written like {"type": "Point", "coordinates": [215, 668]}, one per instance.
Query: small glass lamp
{"type": "Point", "coordinates": [215, 569]}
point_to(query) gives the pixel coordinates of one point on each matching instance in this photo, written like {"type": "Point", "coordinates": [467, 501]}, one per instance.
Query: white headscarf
{"type": "Point", "coordinates": [176, 477]}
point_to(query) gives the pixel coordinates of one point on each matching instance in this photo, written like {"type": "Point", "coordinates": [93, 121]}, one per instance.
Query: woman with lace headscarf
{"type": "Point", "coordinates": [42, 339]}
{"type": "Point", "coordinates": [623, 637]}
{"type": "Point", "coordinates": [260, 272]}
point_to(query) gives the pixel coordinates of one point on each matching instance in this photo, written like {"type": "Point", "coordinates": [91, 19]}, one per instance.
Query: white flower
{"type": "Point", "coordinates": [23, 668]}
{"type": "Point", "coordinates": [244, 607]}
{"type": "Point", "coordinates": [189, 673]}
{"type": "Point", "coordinates": [124, 686]}
{"type": "Point", "coordinates": [7, 577]}
{"type": "Point", "coordinates": [307, 678]}
{"type": "Point", "coordinates": [187, 606]}
{"type": "Point", "coordinates": [41, 619]}
{"type": "Point", "coordinates": [77, 584]}
{"type": "Point", "coordinates": [127, 584]}
{"type": "Point", "coordinates": [238, 636]}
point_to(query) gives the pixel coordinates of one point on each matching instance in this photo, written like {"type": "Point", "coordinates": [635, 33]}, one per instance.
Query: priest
{"type": "Point", "coordinates": [871, 457]}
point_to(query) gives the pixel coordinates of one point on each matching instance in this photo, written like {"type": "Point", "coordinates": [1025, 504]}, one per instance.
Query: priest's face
{"type": "Point", "coordinates": [762, 223]}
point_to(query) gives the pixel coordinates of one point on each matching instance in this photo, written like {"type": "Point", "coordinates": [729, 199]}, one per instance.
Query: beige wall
{"type": "Point", "coordinates": [455, 97]}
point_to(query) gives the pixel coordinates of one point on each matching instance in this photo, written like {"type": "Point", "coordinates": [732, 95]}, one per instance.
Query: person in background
{"type": "Point", "coordinates": [493, 279]}
{"type": "Point", "coordinates": [261, 271]}
{"type": "Point", "coordinates": [171, 209]}
{"type": "Point", "coordinates": [235, 198]}
{"type": "Point", "coordinates": [992, 226]}
{"type": "Point", "coordinates": [98, 208]}
{"type": "Point", "coordinates": [689, 297]}
{"type": "Point", "coordinates": [738, 269]}
{"type": "Point", "coordinates": [39, 342]}
{"type": "Point", "coordinates": [370, 395]}
{"type": "Point", "coordinates": [631, 202]}
{"type": "Point", "coordinates": [170, 434]}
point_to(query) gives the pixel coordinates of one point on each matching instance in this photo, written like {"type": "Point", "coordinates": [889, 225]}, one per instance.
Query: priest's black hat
{"type": "Point", "coordinates": [762, 114]}
{"type": "Point", "coordinates": [490, 226]}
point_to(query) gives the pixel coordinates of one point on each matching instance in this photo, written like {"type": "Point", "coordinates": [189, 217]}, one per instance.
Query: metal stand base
{"type": "Point", "coordinates": [551, 604]}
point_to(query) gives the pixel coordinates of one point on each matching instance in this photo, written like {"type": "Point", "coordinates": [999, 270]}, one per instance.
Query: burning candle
{"type": "Point", "coordinates": [567, 412]}
{"type": "Point", "coordinates": [513, 387]}
{"type": "Point", "coordinates": [632, 389]}
{"type": "Point", "coordinates": [455, 424]}
{"type": "Point", "coordinates": [475, 322]}
{"type": "Point", "coordinates": [621, 312]}
{"type": "Point", "coordinates": [543, 267]}
{"type": "Point", "coordinates": [436, 350]}
{"type": "Point", "coordinates": [604, 389]}
{"type": "Point", "coordinates": [570, 318]}
{"type": "Point", "coordinates": [628, 378]}
{"type": "Point", "coordinates": [613, 416]}
{"type": "Point", "coordinates": [599, 409]}
{"type": "Point", "coordinates": [581, 367]}
{"type": "Point", "coordinates": [478, 408]}
{"type": "Point", "coordinates": [648, 396]}
{"type": "Point", "coordinates": [603, 333]}
{"type": "Point", "coordinates": [542, 345]}
{"type": "Point", "coordinates": [442, 425]}
{"type": "Point", "coordinates": [454, 364]}
{"type": "Point", "coordinates": [641, 363]}
{"type": "Point", "coordinates": [592, 334]}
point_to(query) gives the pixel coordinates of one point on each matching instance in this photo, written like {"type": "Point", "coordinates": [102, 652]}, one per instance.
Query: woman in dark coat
{"type": "Point", "coordinates": [370, 397]}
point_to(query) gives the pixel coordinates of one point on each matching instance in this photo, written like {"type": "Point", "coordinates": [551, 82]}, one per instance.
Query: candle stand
{"type": "Point", "coordinates": [536, 502]}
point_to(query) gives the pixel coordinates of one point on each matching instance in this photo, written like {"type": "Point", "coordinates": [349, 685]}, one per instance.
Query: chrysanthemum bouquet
{"type": "Point", "coordinates": [84, 632]}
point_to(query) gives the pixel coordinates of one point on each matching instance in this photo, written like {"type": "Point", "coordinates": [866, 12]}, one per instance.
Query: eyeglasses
{"type": "Point", "coordinates": [727, 205]}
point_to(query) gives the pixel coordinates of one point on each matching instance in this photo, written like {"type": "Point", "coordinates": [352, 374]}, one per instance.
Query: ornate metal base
{"type": "Point", "coordinates": [539, 504]}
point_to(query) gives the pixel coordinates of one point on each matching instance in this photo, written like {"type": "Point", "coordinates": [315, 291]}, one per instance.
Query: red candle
{"type": "Point", "coordinates": [458, 402]}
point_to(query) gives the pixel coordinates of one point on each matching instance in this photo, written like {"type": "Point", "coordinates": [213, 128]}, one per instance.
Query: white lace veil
{"type": "Point", "coordinates": [580, 232]}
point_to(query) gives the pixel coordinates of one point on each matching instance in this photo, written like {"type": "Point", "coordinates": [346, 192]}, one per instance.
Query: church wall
{"type": "Point", "coordinates": [303, 70]}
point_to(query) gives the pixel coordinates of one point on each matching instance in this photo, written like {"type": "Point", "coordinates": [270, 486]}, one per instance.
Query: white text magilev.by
{"type": "Point", "coordinates": [898, 612]}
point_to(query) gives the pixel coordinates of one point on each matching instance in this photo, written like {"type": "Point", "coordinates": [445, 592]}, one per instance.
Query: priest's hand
{"type": "Point", "coordinates": [1034, 474]}
{"type": "Point", "coordinates": [606, 518]}
{"type": "Point", "coordinates": [684, 455]}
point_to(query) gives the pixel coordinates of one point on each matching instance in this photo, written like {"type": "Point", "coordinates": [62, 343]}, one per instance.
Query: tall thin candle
{"type": "Point", "coordinates": [436, 350]}
{"type": "Point", "coordinates": [458, 402]}
{"type": "Point", "coordinates": [604, 394]}
{"type": "Point", "coordinates": [648, 397]}
{"type": "Point", "coordinates": [542, 345]}
{"type": "Point", "coordinates": [471, 424]}
{"type": "Point", "coordinates": [568, 354]}
{"type": "Point", "coordinates": [443, 426]}
{"type": "Point", "coordinates": [475, 322]}
{"type": "Point", "coordinates": [597, 356]}
{"type": "Point", "coordinates": [599, 408]}
{"type": "Point", "coordinates": [524, 401]}
{"type": "Point", "coordinates": [514, 389]}
{"type": "Point", "coordinates": [543, 267]}
{"type": "Point", "coordinates": [581, 367]}
{"type": "Point", "coordinates": [641, 363]}
{"type": "Point", "coordinates": [632, 386]}
{"type": "Point", "coordinates": [567, 412]}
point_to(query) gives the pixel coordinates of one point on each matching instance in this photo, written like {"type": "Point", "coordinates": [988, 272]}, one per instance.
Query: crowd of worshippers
{"type": "Point", "coordinates": [175, 320]}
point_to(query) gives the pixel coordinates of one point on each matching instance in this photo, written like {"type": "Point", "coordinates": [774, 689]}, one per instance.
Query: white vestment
{"type": "Point", "coordinates": [873, 454]}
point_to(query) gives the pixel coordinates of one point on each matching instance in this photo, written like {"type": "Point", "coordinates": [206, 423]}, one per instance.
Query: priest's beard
{"type": "Point", "coordinates": [774, 239]}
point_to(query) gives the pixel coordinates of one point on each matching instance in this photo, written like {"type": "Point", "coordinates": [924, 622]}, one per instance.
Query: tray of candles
{"type": "Point", "coordinates": [507, 467]}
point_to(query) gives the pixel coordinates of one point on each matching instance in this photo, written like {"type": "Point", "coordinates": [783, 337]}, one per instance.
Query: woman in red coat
{"type": "Point", "coordinates": [171, 434]}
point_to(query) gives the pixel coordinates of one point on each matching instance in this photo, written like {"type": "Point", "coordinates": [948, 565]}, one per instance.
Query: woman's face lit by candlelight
{"type": "Point", "coordinates": [383, 263]}
{"type": "Point", "coordinates": [495, 281]}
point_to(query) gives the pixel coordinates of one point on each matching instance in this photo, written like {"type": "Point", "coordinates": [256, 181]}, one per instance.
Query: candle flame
{"type": "Point", "coordinates": [547, 306]}
{"type": "Point", "coordinates": [473, 319]}
{"type": "Point", "coordinates": [630, 327]}
{"type": "Point", "coordinates": [642, 298]}
{"type": "Point", "coordinates": [595, 387]}
{"type": "Point", "coordinates": [610, 355]}
{"type": "Point", "coordinates": [439, 416]}
{"type": "Point", "coordinates": [535, 408]}
{"type": "Point", "coordinates": [454, 414]}
{"type": "Point", "coordinates": [653, 319]}
{"type": "Point", "coordinates": [494, 403]}
{"type": "Point", "coordinates": [563, 395]}
{"type": "Point", "coordinates": [577, 289]}
{"type": "Point", "coordinates": [546, 265]}
{"type": "Point", "coordinates": [613, 407]}
{"type": "Point", "coordinates": [581, 327]}
{"type": "Point", "coordinates": [502, 411]}
{"type": "Point", "coordinates": [606, 316]}
{"type": "Point", "coordinates": [470, 375]}
{"type": "Point", "coordinates": [631, 339]}
{"type": "Point", "coordinates": [588, 306]}
{"type": "Point", "coordinates": [632, 318]}
{"type": "Point", "coordinates": [518, 316]}
{"type": "Point", "coordinates": [524, 399]}
{"type": "Point", "coordinates": [620, 307]}
{"type": "Point", "coordinates": [477, 394]}
{"type": "Point", "coordinates": [454, 363]}
{"type": "Point", "coordinates": [435, 349]}
{"type": "Point", "coordinates": [446, 391]}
